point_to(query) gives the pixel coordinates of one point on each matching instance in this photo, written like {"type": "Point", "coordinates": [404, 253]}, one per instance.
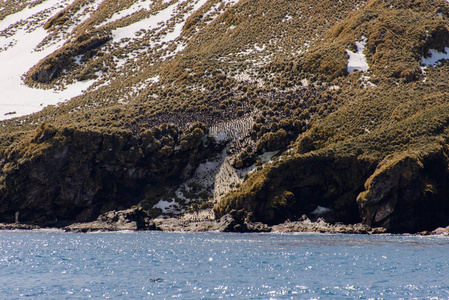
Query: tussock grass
{"type": "Point", "coordinates": [284, 63]}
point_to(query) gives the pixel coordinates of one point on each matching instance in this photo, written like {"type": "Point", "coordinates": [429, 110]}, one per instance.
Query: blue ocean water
{"type": "Point", "coordinates": [124, 265]}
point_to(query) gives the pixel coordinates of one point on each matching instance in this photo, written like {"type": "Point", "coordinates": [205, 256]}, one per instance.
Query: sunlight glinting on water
{"type": "Point", "coordinates": [212, 266]}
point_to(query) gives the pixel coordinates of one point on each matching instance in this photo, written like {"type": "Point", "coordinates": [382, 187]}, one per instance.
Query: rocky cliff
{"type": "Point", "coordinates": [65, 175]}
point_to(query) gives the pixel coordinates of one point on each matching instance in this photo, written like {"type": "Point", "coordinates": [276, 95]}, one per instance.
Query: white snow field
{"type": "Point", "coordinates": [18, 54]}
{"type": "Point", "coordinates": [21, 47]}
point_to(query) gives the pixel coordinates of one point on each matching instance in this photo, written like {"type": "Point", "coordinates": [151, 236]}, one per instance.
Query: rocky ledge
{"type": "Point", "coordinates": [321, 226]}
{"type": "Point", "coordinates": [136, 218]}
{"type": "Point", "coordinates": [228, 224]}
{"type": "Point", "coordinates": [439, 231]}
{"type": "Point", "coordinates": [17, 226]}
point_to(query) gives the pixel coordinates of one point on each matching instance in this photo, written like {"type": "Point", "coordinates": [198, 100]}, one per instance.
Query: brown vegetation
{"type": "Point", "coordinates": [342, 138]}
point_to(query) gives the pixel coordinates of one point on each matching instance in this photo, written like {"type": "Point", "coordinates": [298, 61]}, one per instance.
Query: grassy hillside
{"type": "Point", "coordinates": [389, 128]}
{"type": "Point", "coordinates": [365, 146]}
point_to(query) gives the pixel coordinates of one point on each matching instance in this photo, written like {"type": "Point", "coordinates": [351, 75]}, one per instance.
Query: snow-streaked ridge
{"type": "Point", "coordinates": [19, 55]}
{"type": "Point", "coordinates": [24, 42]}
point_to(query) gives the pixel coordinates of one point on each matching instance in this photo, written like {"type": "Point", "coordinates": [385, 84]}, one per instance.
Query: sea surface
{"type": "Point", "coordinates": [162, 265]}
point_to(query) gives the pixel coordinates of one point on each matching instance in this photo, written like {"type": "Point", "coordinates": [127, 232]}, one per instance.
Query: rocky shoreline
{"type": "Point", "coordinates": [137, 219]}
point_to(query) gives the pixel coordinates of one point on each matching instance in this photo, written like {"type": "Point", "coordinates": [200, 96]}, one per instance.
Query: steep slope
{"type": "Point", "coordinates": [386, 145]}
{"type": "Point", "coordinates": [330, 109]}
{"type": "Point", "coordinates": [149, 63]}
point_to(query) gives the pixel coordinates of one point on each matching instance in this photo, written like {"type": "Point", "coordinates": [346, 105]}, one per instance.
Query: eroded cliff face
{"type": "Point", "coordinates": [317, 185]}
{"type": "Point", "coordinates": [408, 193]}
{"type": "Point", "coordinates": [67, 175]}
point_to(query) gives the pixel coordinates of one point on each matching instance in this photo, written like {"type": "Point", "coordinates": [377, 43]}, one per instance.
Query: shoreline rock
{"type": "Point", "coordinates": [439, 231]}
{"type": "Point", "coordinates": [237, 221]}
{"type": "Point", "coordinates": [134, 218]}
{"type": "Point", "coordinates": [17, 226]}
{"type": "Point", "coordinates": [321, 226]}
{"type": "Point", "coordinates": [137, 219]}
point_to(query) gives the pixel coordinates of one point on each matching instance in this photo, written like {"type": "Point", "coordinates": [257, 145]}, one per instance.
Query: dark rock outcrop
{"type": "Point", "coordinates": [17, 226]}
{"type": "Point", "coordinates": [304, 224]}
{"type": "Point", "coordinates": [301, 185]}
{"type": "Point", "coordinates": [130, 219]}
{"type": "Point", "coordinates": [67, 175]}
{"type": "Point", "coordinates": [241, 221]}
{"type": "Point", "coordinates": [407, 193]}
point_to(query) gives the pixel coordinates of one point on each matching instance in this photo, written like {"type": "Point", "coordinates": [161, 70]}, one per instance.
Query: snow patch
{"type": "Point", "coordinates": [320, 210]}
{"type": "Point", "coordinates": [78, 59]}
{"type": "Point", "coordinates": [153, 79]}
{"type": "Point", "coordinates": [220, 136]}
{"type": "Point", "coordinates": [357, 60]}
{"type": "Point", "coordinates": [167, 206]}
{"type": "Point", "coordinates": [81, 16]}
{"type": "Point", "coordinates": [287, 18]}
{"type": "Point", "coordinates": [260, 49]}
{"type": "Point", "coordinates": [267, 156]}
{"type": "Point", "coordinates": [149, 23]}
{"type": "Point", "coordinates": [156, 21]}
{"type": "Point", "coordinates": [29, 12]}
{"type": "Point", "coordinates": [366, 81]}
{"type": "Point", "coordinates": [230, 2]}
{"type": "Point", "coordinates": [435, 57]}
